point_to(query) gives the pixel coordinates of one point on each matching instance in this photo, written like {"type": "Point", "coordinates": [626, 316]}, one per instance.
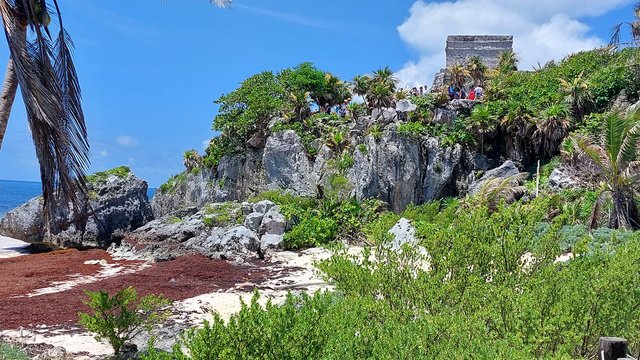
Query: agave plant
{"type": "Point", "coordinates": [615, 155]}
{"type": "Point", "coordinates": [338, 140]}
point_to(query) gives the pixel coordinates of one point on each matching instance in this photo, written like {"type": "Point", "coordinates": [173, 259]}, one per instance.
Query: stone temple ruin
{"type": "Point", "coordinates": [460, 48]}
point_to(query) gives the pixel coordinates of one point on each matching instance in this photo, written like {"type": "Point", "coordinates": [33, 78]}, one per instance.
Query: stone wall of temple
{"type": "Point", "coordinates": [489, 47]}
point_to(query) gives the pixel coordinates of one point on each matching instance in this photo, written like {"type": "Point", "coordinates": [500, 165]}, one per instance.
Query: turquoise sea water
{"type": "Point", "coordinates": [15, 193]}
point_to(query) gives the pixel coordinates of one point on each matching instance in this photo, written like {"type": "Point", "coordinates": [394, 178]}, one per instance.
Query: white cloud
{"type": "Point", "coordinates": [126, 141]}
{"type": "Point", "coordinates": [543, 29]}
{"type": "Point", "coordinates": [102, 154]}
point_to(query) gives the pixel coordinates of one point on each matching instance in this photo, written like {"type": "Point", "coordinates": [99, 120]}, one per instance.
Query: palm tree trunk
{"type": "Point", "coordinates": [8, 95]}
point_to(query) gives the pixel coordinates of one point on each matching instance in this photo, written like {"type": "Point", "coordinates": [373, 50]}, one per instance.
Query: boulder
{"type": "Point", "coordinates": [444, 116]}
{"type": "Point", "coordinates": [287, 166]}
{"type": "Point", "coordinates": [116, 204]}
{"type": "Point", "coordinates": [402, 233]}
{"type": "Point", "coordinates": [271, 241]}
{"type": "Point", "coordinates": [560, 180]}
{"type": "Point", "coordinates": [273, 222]}
{"type": "Point", "coordinates": [507, 169]}
{"type": "Point", "coordinates": [263, 206]}
{"type": "Point", "coordinates": [253, 221]}
{"type": "Point", "coordinates": [458, 105]}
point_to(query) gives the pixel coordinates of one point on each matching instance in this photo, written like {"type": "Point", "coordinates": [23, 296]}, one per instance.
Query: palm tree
{"type": "Point", "coordinates": [577, 95]}
{"type": "Point", "coordinates": [551, 129]}
{"type": "Point", "coordinates": [517, 124]}
{"type": "Point", "coordinates": [459, 75]}
{"type": "Point", "coordinates": [480, 123]}
{"type": "Point", "coordinates": [299, 101]}
{"type": "Point", "coordinates": [385, 77]}
{"type": "Point", "coordinates": [615, 156]}
{"type": "Point", "coordinates": [634, 28]}
{"type": "Point", "coordinates": [508, 62]}
{"type": "Point", "coordinates": [361, 85]}
{"type": "Point", "coordinates": [191, 160]}
{"type": "Point", "coordinates": [42, 65]}
{"type": "Point", "coordinates": [477, 69]}
{"type": "Point", "coordinates": [380, 96]}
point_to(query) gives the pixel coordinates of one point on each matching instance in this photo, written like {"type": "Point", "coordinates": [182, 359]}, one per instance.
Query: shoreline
{"type": "Point", "coordinates": [10, 247]}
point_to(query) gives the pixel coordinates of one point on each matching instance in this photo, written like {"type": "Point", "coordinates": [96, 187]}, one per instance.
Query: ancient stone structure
{"type": "Point", "coordinates": [462, 47]}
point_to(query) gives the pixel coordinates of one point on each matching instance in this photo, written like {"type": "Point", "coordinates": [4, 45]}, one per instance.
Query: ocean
{"type": "Point", "coordinates": [15, 193]}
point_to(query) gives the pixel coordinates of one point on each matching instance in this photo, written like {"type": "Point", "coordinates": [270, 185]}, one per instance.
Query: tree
{"type": "Point", "coordinates": [615, 156]}
{"type": "Point", "coordinates": [477, 69]}
{"type": "Point", "coordinates": [577, 95]}
{"type": "Point", "coordinates": [361, 85]}
{"type": "Point", "coordinates": [508, 62]}
{"type": "Point", "coordinates": [384, 76]}
{"type": "Point", "coordinates": [634, 28]}
{"type": "Point", "coordinates": [551, 129]}
{"type": "Point", "coordinates": [121, 317]}
{"type": "Point", "coordinates": [299, 104]}
{"type": "Point", "coordinates": [459, 75]}
{"type": "Point", "coordinates": [191, 160]}
{"type": "Point", "coordinates": [480, 123]}
{"type": "Point", "coordinates": [380, 96]}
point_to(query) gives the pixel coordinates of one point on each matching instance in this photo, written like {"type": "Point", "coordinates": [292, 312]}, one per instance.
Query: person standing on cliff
{"type": "Point", "coordinates": [479, 92]}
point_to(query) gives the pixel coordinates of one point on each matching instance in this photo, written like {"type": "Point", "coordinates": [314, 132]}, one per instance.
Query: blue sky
{"type": "Point", "coordinates": [150, 69]}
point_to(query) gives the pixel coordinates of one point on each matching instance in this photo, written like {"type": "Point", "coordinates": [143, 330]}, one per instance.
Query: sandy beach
{"type": "Point", "coordinates": [11, 247]}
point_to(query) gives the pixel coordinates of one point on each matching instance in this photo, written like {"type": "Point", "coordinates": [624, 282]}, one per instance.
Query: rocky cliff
{"type": "Point", "coordinates": [117, 202]}
{"type": "Point", "coordinates": [399, 169]}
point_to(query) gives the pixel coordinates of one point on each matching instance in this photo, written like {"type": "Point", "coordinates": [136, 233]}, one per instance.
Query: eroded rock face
{"type": "Point", "coordinates": [287, 166]}
{"type": "Point", "coordinates": [559, 179]}
{"type": "Point", "coordinates": [219, 230]}
{"type": "Point", "coordinates": [115, 205]}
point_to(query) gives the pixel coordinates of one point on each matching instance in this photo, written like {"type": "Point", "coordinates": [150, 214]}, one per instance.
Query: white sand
{"type": "Point", "coordinates": [11, 247]}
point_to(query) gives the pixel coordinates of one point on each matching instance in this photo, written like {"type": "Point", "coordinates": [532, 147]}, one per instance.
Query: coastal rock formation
{"type": "Point", "coordinates": [218, 230]}
{"type": "Point", "coordinates": [397, 169]}
{"type": "Point", "coordinates": [507, 169]}
{"type": "Point", "coordinates": [116, 204]}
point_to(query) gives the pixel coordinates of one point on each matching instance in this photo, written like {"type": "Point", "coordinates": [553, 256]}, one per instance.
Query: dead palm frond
{"type": "Point", "coordinates": [498, 190]}
{"type": "Point", "coordinates": [50, 89]}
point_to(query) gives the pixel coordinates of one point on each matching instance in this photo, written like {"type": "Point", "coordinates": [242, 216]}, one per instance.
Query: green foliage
{"type": "Point", "coordinates": [174, 220]}
{"type": "Point", "coordinates": [224, 214]}
{"type": "Point", "coordinates": [375, 131]}
{"type": "Point", "coordinates": [172, 183]}
{"type": "Point", "coordinates": [412, 129]}
{"type": "Point", "coordinates": [363, 149]}
{"type": "Point", "coordinates": [121, 317]}
{"type": "Point", "coordinates": [10, 352]}
{"type": "Point", "coordinates": [100, 177]}
{"type": "Point", "coordinates": [344, 162]}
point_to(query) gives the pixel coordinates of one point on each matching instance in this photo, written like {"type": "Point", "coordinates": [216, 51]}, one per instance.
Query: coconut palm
{"type": "Point", "coordinates": [300, 104]}
{"type": "Point", "coordinates": [191, 160]}
{"type": "Point", "coordinates": [361, 85]}
{"type": "Point", "coordinates": [477, 69]}
{"type": "Point", "coordinates": [634, 28]}
{"type": "Point", "coordinates": [42, 65]}
{"type": "Point", "coordinates": [615, 156]}
{"type": "Point", "coordinates": [508, 62]}
{"type": "Point", "coordinates": [480, 122]}
{"type": "Point", "coordinates": [577, 95]}
{"type": "Point", "coordinates": [380, 96]}
{"type": "Point", "coordinates": [551, 129]}
{"type": "Point", "coordinates": [459, 75]}
{"type": "Point", "coordinates": [385, 77]}
{"type": "Point", "coordinates": [518, 125]}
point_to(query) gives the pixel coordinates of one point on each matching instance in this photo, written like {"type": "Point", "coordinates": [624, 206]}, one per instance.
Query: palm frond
{"type": "Point", "coordinates": [615, 34]}
{"type": "Point", "coordinates": [597, 154]}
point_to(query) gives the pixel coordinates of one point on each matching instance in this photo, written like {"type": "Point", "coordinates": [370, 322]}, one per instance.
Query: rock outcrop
{"type": "Point", "coordinates": [507, 169]}
{"type": "Point", "coordinates": [116, 204]}
{"type": "Point", "coordinates": [397, 169]}
{"type": "Point", "coordinates": [231, 231]}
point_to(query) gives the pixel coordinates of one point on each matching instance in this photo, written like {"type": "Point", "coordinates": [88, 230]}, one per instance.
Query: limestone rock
{"type": "Point", "coordinates": [507, 169]}
{"type": "Point", "coordinates": [402, 233]}
{"type": "Point", "coordinates": [263, 206]}
{"type": "Point", "coordinates": [114, 206]}
{"type": "Point", "coordinates": [440, 170]}
{"type": "Point", "coordinates": [253, 221]}
{"type": "Point", "coordinates": [273, 222]}
{"type": "Point", "coordinates": [287, 166]}
{"type": "Point", "coordinates": [560, 180]}
{"type": "Point", "coordinates": [271, 241]}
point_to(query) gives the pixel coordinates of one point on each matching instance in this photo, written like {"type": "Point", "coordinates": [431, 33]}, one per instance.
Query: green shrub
{"type": "Point", "coordinates": [10, 352]}
{"type": "Point", "coordinates": [172, 183]}
{"type": "Point", "coordinates": [121, 172]}
{"type": "Point", "coordinates": [412, 129]}
{"type": "Point", "coordinates": [121, 317]}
